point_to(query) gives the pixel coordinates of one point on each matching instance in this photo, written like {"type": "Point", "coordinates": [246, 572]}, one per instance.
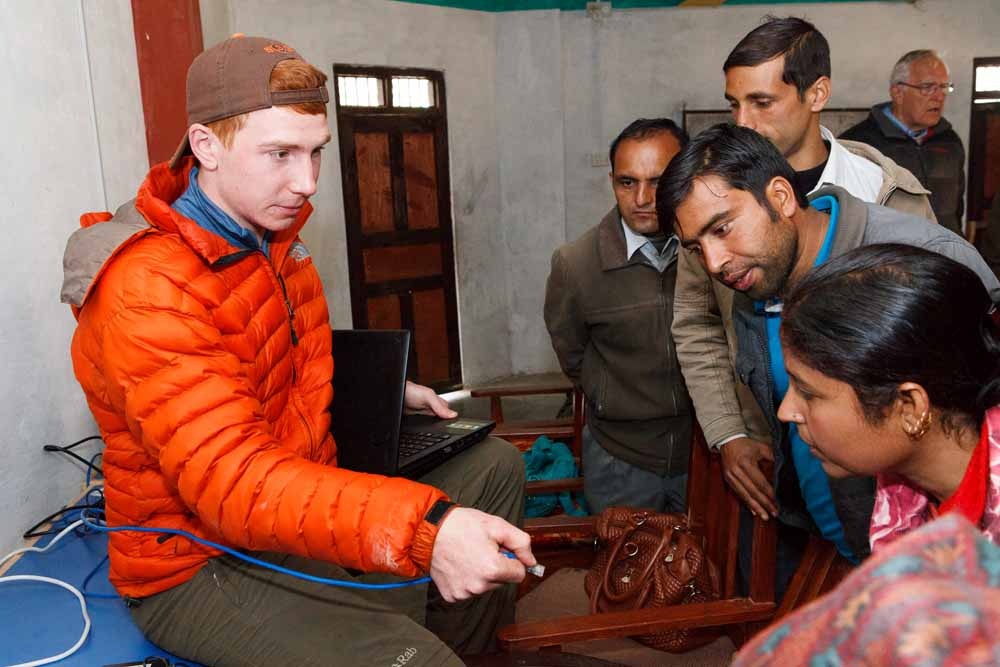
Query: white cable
{"type": "Point", "coordinates": [83, 609]}
{"type": "Point", "coordinates": [56, 582]}
{"type": "Point", "coordinates": [48, 546]}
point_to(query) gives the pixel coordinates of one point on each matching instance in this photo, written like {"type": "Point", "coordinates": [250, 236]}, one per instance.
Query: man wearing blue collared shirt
{"type": "Point", "coordinates": [608, 309]}
{"type": "Point", "coordinates": [911, 130]}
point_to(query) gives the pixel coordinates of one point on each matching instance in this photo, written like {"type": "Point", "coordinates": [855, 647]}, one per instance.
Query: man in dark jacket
{"type": "Point", "coordinates": [911, 130]}
{"type": "Point", "coordinates": [608, 309]}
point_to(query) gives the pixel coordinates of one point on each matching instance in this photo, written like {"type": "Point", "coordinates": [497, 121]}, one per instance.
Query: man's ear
{"type": "Point", "coordinates": [896, 94]}
{"type": "Point", "coordinates": [781, 195]}
{"type": "Point", "coordinates": [819, 94]}
{"type": "Point", "coordinates": [205, 146]}
{"type": "Point", "coordinates": [911, 408]}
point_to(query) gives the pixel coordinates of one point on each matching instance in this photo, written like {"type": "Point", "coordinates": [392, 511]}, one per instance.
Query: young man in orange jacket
{"type": "Point", "coordinates": [203, 348]}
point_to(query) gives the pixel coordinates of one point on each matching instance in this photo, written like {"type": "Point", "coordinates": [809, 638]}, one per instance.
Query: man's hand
{"type": "Point", "coordinates": [466, 559]}
{"type": "Point", "coordinates": [740, 465]}
{"type": "Point", "coordinates": [423, 400]}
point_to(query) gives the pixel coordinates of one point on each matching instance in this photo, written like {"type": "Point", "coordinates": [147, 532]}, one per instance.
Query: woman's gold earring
{"type": "Point", "coordinates": [920, 429]}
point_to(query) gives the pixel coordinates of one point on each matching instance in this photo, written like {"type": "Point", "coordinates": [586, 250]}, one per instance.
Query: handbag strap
{"type": "Point", "coordinates": [645, 579]}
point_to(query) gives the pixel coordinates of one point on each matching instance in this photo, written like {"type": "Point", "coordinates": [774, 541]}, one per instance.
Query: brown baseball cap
{"type": "Point", "coordinates": [233, 77]}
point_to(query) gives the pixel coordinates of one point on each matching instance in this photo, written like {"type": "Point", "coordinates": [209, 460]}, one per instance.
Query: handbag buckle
{"type": "Point", "coordinates": [631, 549]}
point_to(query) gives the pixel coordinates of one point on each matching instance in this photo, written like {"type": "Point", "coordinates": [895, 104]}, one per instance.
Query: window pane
{"type": "Point", "coordinates": [360, 91]}
{"type": "Point", "coordinates": [987, 78]}
{"type": "Point", "coordinates": [412, 91]}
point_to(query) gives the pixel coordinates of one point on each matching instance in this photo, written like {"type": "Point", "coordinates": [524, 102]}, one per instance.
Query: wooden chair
{"type": "Point", "coordinates": [713, 512]}
{"type": "Point", "coordinates": [523, 433]}
{"type": "Point", "coordinates": [563, 542]}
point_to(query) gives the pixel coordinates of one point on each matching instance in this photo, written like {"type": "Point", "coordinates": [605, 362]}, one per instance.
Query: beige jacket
{"type": "Point", "coordinates": [702, 326]}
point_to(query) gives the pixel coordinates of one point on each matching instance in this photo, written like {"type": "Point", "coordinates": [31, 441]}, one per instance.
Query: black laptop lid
{"type": "Point", "coordinates": [369, 381]}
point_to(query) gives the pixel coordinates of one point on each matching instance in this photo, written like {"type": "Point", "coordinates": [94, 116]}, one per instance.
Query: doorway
{"type": "Point", "coordinates": [984, 139]}
{"type": "Point", "coordinates": [393, 132]}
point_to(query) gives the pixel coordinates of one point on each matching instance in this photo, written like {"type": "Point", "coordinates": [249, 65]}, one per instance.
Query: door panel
{"type": "Point", "coordinates": [430, 334]}
{"type": "Point", "coordinates": [421, 180]}
{"type": "Point", "coordinates": [371, 150]}
{"type": "Point", "coordinates": [383, 312]}
{"type": "Point", "coordinates": [401, 262]}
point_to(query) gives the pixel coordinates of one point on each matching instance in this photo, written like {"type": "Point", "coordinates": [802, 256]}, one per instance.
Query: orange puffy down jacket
{"type": "Point", "coordinates": [208, 369]}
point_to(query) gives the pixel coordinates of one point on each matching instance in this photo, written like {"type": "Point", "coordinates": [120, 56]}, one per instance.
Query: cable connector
{"type": "Point", "coordinates": [537, 569]}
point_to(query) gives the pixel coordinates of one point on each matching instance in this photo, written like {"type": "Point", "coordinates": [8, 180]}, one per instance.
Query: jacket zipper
{"type": "Point", "coordinates": [294, 398]}
{"type": "Point", "coordinates": [290, 309]}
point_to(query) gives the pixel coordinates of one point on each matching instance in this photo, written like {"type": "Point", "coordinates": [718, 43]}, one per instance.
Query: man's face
{"type": "Point", "coordinates": [265, 178]}
{"type": "Point", "coordinates": [635, 173]}
{"type": "Point", "coordinates": [739, 242]}
{"type": "Point", "coordinates": [910, 105]}
{"type": "Point", "coordinates": [760, 100]}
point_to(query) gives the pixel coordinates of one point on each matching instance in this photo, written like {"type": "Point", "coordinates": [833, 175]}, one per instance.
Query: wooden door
{"type": "Point", "coordinates": [394, 162]}
{"type": "Point", "coordinates": [984, 139]}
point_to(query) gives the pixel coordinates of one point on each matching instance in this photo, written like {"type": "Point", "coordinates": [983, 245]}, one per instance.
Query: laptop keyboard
{"type": "Point", "coordinates": [412, 443]}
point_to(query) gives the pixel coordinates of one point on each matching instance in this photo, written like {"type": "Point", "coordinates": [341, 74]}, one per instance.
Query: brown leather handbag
{"type": "Point", "coordinates": [650, 559]}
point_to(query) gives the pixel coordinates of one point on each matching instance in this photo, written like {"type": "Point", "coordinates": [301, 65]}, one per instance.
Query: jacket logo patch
{"type": "Point", "coordinates": [298, 251]}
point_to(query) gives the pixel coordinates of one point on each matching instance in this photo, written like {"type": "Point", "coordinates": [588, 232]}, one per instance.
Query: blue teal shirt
{"type": "Point", "coordinates": [194, 204]}
{"type": "Point", "coordinates": [916, 135]}
{"type": "Point", "coordinates": [813, 482]}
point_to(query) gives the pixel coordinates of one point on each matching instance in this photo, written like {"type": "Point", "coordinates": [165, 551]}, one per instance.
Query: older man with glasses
{"type": "Point", "coordinates": [911, 130]}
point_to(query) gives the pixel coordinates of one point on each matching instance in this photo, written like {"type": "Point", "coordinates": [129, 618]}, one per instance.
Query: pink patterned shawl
{"type": "Point", "coordinates": [900, 507]}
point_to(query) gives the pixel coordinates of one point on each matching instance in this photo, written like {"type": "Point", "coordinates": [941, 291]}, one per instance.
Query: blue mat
{"type": "Point", "coordinates": [40, 620]}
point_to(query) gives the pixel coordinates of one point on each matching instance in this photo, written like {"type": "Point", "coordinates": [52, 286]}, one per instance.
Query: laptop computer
{"type": "Point", "coordinates": [367, 421]}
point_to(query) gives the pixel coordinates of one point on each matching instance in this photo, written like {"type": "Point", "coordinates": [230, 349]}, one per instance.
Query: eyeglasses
{"type": "Point", "coordinates": [928, 89]}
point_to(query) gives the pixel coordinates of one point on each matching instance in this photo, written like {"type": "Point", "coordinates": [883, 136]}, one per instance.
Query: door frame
{"type": "Point", "coordinates": [975, 186]}
{"type": "Point", "coordinates": [385, 119]}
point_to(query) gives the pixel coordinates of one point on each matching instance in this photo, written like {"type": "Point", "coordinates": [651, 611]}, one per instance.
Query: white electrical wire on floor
{"type": "Point", "coordinates": [56, 582]}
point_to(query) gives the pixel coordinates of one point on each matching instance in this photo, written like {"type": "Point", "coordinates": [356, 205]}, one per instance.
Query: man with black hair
{"type": "Point", "coordinates": [777, 83]}
{"type": "Point", "coordinates": [608, 307]}
{"type": "Point", "coordinates": [737, 207]}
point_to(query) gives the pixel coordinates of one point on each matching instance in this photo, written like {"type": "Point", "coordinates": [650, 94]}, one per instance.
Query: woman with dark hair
{"type": "Point", "coordinates": [893, 359]}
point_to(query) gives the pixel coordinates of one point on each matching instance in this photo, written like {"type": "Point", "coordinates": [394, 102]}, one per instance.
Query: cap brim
{"type": "Point", "coordinates": [183, 150]}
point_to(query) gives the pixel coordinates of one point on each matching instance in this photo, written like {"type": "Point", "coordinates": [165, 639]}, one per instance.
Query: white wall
{"type": "Point", "coordinates": [530, 125]}
{"type": "Point", "coordinates": [74, 142]}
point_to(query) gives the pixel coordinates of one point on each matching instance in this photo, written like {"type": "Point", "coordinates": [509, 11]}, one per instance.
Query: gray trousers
{"type": "Point", "coordinates": [609, 481]}
{"type": "Point", "coordinates": [236, 614]}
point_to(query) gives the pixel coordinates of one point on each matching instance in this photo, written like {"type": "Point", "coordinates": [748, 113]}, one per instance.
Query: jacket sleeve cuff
{"type": "Point", "coordinates": [718, 445]}
{"type": "Point", "coordinates": [425, 535]}
{"type": "Point", "coordinates": [724, 428]}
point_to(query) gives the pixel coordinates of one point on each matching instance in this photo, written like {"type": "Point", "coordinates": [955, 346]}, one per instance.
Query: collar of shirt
{"type": "Point", "coordinates": [196, 205]}
{"type": "Point", "coordinates": [917, 135]}
{"type": "Point", "coordinates": [634, 242]}
{"type": "Point", "coordinates": [860, 177]}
